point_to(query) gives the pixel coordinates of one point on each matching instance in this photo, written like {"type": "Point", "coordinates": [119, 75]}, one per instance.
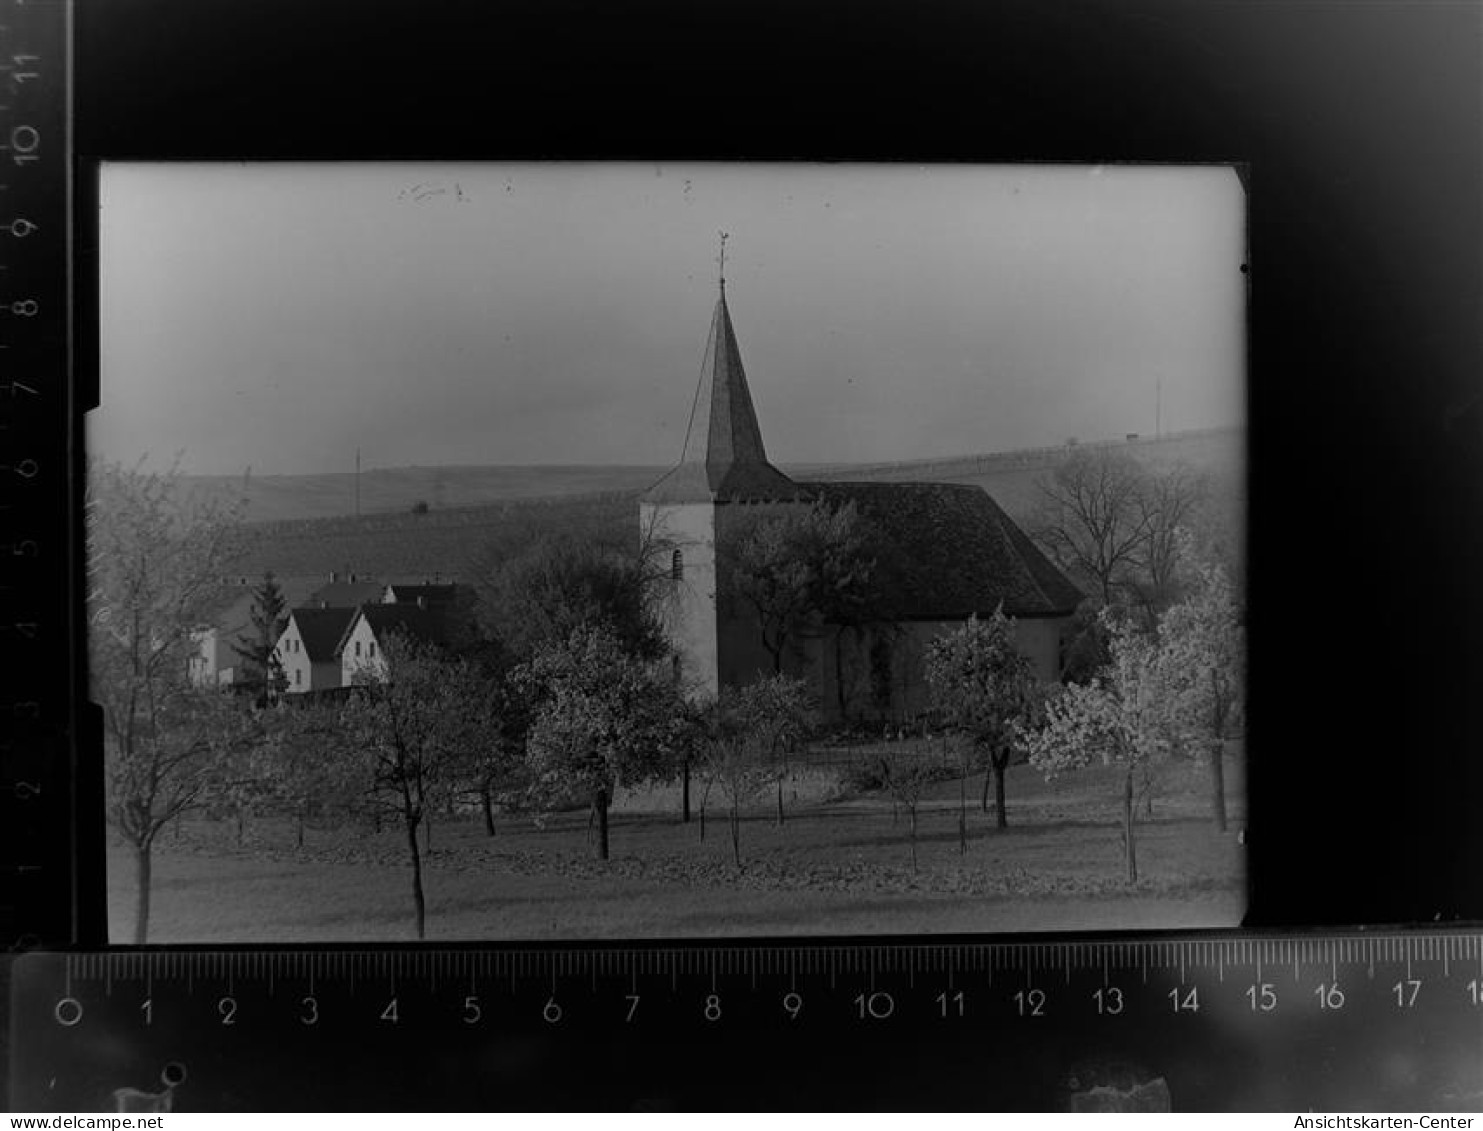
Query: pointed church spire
{"type": "Point", "coordinates": [723, 458]}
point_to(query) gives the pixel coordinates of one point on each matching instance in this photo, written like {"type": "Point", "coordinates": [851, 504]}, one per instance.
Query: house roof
{"type": "Point", "coordinates": [963, 554]}
{"type": "Point", "coordinates": [231, 611]}
{"type": "Point", "coordinates": [346, 594]}
{"type": "Point", "coordinates": [723, 459]}
{"type": "Point", "coordinates": [433, 594]}
{"type": "Point", "coordinates": [321, 631]}
{"type": "Point", "coordinates": [421, 624]}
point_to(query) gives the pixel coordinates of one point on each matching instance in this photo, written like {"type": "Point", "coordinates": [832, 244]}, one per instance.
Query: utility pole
{"type": "Point", "coordinates": [1158, 409]}
{"type": "Point", "coordinates": [357, 482]}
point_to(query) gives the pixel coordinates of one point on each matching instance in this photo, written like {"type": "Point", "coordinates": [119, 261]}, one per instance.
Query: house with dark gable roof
{"type": "Point", "coordinates": [429, 593]}
{"type": "Point", "coordinates": [362, 646]}
{"type": "Point", "coordinates": [963, 556]}
{"type": "Point", "coordinates": [343, 625]}
{"type": "Point", "coordinates": [346, 591]}
{"type": "Point", "coordinates": [308, 648]}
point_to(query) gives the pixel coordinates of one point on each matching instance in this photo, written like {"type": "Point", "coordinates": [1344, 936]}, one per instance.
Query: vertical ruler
{"type": "Point", "coordinates": [35, 363]}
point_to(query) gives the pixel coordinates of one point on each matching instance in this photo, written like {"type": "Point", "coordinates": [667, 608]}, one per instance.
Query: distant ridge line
{"type": "Point", "coordinates": [473, 513]}
{"type": "Point", "coordinates": [470, 514]}
{"type": "Point", "coordinates": [987, 461]}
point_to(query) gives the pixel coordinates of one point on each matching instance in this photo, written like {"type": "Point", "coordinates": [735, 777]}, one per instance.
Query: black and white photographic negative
{"type": "Point", "coordinates": [512, 551]}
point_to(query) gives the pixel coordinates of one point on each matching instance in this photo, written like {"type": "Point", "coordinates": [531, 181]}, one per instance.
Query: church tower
{"type": "Point", "coordinates": [723, 466]}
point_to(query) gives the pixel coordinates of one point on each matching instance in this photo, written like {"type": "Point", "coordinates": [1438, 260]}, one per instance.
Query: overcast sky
{"type": "Point", "coordinates": [279, 316]}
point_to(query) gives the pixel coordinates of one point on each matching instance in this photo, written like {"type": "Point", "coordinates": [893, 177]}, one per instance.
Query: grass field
{"type": "Point", "coordinates": [840, 864]}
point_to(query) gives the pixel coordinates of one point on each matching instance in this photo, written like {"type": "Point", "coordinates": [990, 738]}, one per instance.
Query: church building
{"type": "Point", "coordinates": [962, 556]}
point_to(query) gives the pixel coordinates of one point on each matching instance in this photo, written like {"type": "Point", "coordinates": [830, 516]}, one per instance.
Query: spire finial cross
{"type": "Point", "coordinates": [724, 237]}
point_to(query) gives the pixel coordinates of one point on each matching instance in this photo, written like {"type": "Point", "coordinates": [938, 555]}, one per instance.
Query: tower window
{"type": "Point", "coordinates": [677, 565]}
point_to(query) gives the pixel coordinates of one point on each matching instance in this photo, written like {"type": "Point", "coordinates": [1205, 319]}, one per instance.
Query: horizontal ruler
{"type": "Point", "coordinates": [1360, 1020]}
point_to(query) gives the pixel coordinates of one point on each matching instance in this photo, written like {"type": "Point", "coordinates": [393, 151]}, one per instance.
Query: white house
{"type": "Point", "coordinates": [214, 662]}
{"type": "Point", "coordinates": [362, 646]}
{"type": "Point", "coordinates": [308, 649]}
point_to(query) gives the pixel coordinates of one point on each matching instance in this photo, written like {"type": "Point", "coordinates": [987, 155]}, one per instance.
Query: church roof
{"type": "Point", "coordinates": [962, 554]}
{"type": "Point", "coordinates": [723, 459]}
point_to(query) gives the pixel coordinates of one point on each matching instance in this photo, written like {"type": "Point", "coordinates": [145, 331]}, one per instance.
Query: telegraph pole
{"type": "Point", "coordinates": [357, 482]}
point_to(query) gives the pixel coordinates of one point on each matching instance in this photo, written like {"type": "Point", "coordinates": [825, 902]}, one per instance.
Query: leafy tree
{"type": "Point", "coordinates": [789, 566]}
{"type": "Point", "coordinates": [605, 719]}
{"type": "Point", "coordinates": [1122, 718]}
{"type": "Point", "coordinates": [688, 753]}
{"type": "Point", "coordinates": [258, 648]}
{"type": "Point", "coordinates": [776, 715]}
{"type": "Point", "coordinates": [311, 773]}
{"type": "Point", "coordinates": [1084, 643]}
{"type": "Point", "coordinates": [244, 776]}
{"type": "Point", "coordinates": [984, 688]}
{"type": "Point", "coordinates": [405, 729]}
{"type": "Point", "coordinates": [557, 583]}
{"type": "Point", "coordinates": [1203, 650]}
{"type": "Point", "coordinates": [860, 581]}
{"type": "Point", "coordinates": [154, 568]}
{"type": "Point", "coordinates": [497, 769]}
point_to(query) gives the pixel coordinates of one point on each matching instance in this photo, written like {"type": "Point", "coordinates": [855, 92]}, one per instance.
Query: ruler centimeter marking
{"type": "Point", "coordinates": [1370, 993]}
{"type": "Point", "coordinates": [35, 301]}
{"type": "Point", "coordinates": [555, 965]}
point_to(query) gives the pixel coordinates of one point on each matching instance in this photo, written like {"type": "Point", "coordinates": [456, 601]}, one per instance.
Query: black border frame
{"type": "Point", "coordinates": [1360, 125]}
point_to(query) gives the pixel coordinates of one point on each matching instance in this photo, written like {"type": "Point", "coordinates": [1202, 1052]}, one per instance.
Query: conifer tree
{"type": "Point", "coordinates": [257, 647]}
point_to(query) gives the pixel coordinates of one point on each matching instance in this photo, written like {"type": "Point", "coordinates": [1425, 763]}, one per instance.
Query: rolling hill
{"type": "Point", "coordinates": [273, 498]}
{"type": "Point", "coordinates": [298, 525]}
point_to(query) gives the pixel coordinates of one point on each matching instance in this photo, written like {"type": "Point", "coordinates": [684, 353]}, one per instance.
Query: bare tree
{"type": "Point", "coordinates": [1092, 521]}
{"type": "Point", "coordinates": [1167, 502]}
{"type": "Point", "coordinates": [733, 762]}
{"type": "Point", "coordinates": [1115, 525]}
{"type": "Point", "coordinates": [907, 776]}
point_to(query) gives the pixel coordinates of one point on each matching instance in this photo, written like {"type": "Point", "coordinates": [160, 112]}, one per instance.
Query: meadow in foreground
{"type": "Point", "coordinates": [839, 864]}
